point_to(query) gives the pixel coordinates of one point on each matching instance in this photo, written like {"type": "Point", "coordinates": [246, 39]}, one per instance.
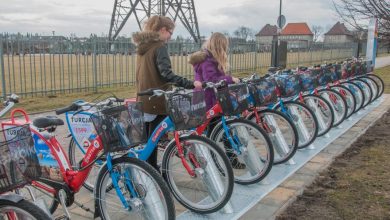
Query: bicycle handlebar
{"type": "Point", "coordinates": [72, 107]}
{"type": "Point", "coordinates": [75, 106]}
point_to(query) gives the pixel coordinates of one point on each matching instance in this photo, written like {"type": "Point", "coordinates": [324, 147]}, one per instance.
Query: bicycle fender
{"type": "Point", "coordinates": [15, 198]}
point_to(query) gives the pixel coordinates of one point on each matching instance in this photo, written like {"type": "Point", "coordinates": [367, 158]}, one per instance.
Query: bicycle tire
{"type": "Point", "coordinates": [218, 133]}
{"type": "Point", "coordinates": [357, 93]}
{"type": "Point", "coordinates": [23, 207]}
{"type": "Point", "coordinates": [349, 98]}
{"type": "Point", "coordinates": [373, 85]}
{"type": "Point", "coordinates": [221, 160]}
{"type": "Point", "coordinates": [380, 83]}
{"type": "Point", "coordinates": [339, 114]}
{"type": "Point", "coordinates": [161, 188]}
{"type": "Point", "coordinates": [367, 92]}
{"type": "Point", "coordinates": [311, 116]}
{"type": "Point", "coordinates": [268, 129]}
{"type": "Point", "coordinates": [329, 122]}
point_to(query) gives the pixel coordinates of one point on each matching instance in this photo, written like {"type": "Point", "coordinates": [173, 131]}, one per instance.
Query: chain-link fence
{"type": "Point", "coordinates": [39, 66]}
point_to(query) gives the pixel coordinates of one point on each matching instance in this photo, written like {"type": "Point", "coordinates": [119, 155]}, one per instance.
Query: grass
{"type": "Point", "coordinates": [39, 104]}
{"type": "Point", "coordinates": [384, 73]}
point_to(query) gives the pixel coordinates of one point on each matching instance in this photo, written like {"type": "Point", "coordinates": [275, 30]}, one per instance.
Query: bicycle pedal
{"type": "Point", "coordinates": [62, 217]}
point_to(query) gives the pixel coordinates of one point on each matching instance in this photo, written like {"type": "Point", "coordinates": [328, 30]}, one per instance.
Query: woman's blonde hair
{"type": "Point", "coordinates": [217, 45]}
{"type": "Point", "coordinates": [156, 22]}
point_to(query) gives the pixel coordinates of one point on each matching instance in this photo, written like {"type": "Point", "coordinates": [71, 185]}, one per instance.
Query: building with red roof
{"type": "Point", "coordinates": [298, 35]}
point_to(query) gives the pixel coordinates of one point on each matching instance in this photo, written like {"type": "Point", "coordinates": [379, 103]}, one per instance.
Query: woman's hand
{"type": "Point", "coordinates": [235, 80]}
{"type": "Point", "coordinates": [197, 84]}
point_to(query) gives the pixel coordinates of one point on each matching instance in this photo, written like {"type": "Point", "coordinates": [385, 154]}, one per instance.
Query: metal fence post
{"type": "Point", "coordinates": [95, 84]}
{"type": "Point", "coordinates": [3, 91]}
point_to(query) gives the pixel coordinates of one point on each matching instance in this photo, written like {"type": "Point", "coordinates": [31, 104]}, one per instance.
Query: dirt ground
{"type": "Point", "coordinates": [355, 186]}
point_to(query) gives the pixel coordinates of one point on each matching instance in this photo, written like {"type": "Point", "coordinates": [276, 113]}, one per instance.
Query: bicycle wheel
{"type": "Point", "coordinates": [357, 93]}
{"type": "Point", "coordinates": [380, 83]}
{"type": "Point", "coordinates": [322, 110]}
{"type": "Point", "coordinates": [338, 104]}
{"type": "Point", "coordinates": [304, 120]}
{"type": "Point", "coordinates": [281, 131]}
{"type": "Point", "coordinates": [50, 200]}
{"type": "Point", "coordinates": [153, 202]}
{"type": "Point", "coordinates": [75, 157]}
{"type": "Point", "coordinates": [366, 91]}
{"type": "Point", "coordinates": [348, 96]}
{"type": "Point", "coordinates": [210, 187]}
{"type": "Point", "coordinates": [23, 210]}
{"type": "Point", "coordinates": [373, 85]}
{"type": "Point", "coordinates": [256, 156]}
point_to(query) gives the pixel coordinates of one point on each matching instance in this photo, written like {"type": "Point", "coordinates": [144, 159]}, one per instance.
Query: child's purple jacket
{"type": "Point", "coordinates": [206, 70]}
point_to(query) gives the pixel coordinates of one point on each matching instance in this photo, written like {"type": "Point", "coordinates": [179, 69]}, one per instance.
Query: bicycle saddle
{"type": "Point", "coordinates": [48, 121]}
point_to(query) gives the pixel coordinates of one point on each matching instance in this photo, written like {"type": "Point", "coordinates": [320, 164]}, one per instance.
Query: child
{"type": "Point", "coordinates": [211, 63]}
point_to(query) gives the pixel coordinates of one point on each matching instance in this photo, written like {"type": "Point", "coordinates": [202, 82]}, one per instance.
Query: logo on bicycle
{"type": "Point", "coordinates": [164, 125]}
{"type": "Point", "coordinates": [96, 144]}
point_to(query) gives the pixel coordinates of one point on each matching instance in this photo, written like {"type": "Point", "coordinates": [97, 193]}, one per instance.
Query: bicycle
{"type": "Point", "coordinates": [303, 117]}
{"type": "Point", "coordinates": [19, 166]}
{"type": "Point", "coordinates": [62, 187]}
{"type": "Point", "coordinates": [244, 142]}
{"type": "Point", "coordinates": [279, 127]}
{"type": "Point", "coordinates": [321, 79]}
{"type": "Point", "coordinates": [188, 158]}
{"type": "Point", "coordinates": [200, 162]}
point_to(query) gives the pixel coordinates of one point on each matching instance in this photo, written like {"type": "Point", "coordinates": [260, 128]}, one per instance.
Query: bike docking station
{"type": "Point", "coordinates": [247, 196]}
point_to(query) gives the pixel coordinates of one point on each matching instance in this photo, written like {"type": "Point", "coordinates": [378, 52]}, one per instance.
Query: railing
{"type": "Point", "coordinates": [47, 67]}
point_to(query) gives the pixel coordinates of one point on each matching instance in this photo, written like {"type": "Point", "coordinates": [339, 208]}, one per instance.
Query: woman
{"type": "Point", "coordinates": [154, 70]}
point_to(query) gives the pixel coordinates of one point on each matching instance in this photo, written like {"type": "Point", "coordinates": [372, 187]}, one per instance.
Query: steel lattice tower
{"type": "Point", "coordinates": [184, 10]}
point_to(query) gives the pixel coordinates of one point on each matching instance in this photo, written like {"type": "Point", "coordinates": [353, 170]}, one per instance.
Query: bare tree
{"type": "Point", "coordinates": [357, 12]}
{"type": "Point", "coordinates": [244, 33]}
{"type": "Point", "coordinates": [317, 31]}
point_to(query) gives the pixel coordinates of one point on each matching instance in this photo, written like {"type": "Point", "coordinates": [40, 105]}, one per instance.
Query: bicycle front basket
{"type": "Point", "coordinates": [308, 80]}
{"type": "Point", "coordinates": [337, 72]}
{"type": "Point", "coordinates": [19, 161]}
{"type": "Point", "coordinates": [289, 85]}
{"type": "Point", "coordinates": [120, 127]}
{"type": "Point", "coordinates": [233, 99]}
{"type": "Point", "coordinates": [264, 91]}
{"type": "Point", "coordinates": [187, 109]}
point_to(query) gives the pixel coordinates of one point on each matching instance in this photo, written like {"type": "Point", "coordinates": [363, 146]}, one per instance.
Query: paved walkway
{"type": "Point", "coordinates": [382, 61]}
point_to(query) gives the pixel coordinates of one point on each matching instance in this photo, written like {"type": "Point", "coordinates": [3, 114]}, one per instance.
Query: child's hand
{"type": "Point", "coordinates": [197, 84]}
{"type": "Point", "coordinates": [235, 80]}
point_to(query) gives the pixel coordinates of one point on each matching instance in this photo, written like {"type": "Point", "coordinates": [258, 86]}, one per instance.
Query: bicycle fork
{"type": "Point", "coordinates": [293, 113]}
{"type": "Point", "coordinates": [146, 191]}
{"type": "Point", "coordinates": [243, 147]}
{"type": "Point", "coordinates": [276, 136]}
{"type": "Point", "coordinates": [209, 173]}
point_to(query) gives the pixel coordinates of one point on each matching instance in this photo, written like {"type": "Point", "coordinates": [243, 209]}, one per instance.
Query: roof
{"type": "Point", "coordinates": [268, 30]}
{"type": "Point", "coordinates": [338, 29]}
{"type": "Point", "coordinates": [296, 29]}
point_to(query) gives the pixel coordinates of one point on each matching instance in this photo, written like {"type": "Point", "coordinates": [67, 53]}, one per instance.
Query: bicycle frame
{"type": "Point", "coordinates": [43, 142]}
{"type": "Point", "coordinates": [214, 112]}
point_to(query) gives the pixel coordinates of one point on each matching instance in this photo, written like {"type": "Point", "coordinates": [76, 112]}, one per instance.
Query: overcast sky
{"type": "Point", "coordinates": [83, 17]}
